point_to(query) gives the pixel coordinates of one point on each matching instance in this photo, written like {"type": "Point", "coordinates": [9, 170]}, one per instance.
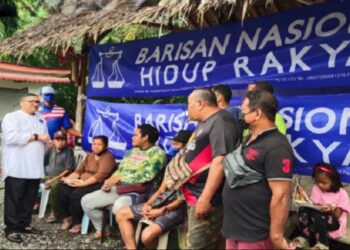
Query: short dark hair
{"type": "Point", "coordinates": [28, 95]}
{"type": "Point", "coordinates": [103, 138]}
{"type": "Point", "coordinates": [152, 132]}
{"type": "Point", "coordinates": [223, 90]}
{"type": "Point", "coordinates": [263, 100]}
{"type": "Point", "coordinates": [206, 95]}
{"type": "Point", "coordinates": [264, 85]}
{"type": "Point", "coordinates": [331, 172]}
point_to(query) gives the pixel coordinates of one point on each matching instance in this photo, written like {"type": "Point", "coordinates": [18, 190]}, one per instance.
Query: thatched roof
{"type": "Point", "coordinates": [59, 31]}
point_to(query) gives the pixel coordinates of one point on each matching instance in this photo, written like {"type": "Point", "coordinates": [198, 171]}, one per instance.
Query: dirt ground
{"type": "Point", "coordinates": [54, 237]}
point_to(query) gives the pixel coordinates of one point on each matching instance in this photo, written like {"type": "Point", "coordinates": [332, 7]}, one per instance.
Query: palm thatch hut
{"type": "Point", "coordinates": [59, 31]}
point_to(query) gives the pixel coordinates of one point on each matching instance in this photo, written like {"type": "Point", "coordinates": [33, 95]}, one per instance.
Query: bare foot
{"type": "Point", "coordinates": [75, 229]}
{"type": "Point", "coordinates": [67, 222]}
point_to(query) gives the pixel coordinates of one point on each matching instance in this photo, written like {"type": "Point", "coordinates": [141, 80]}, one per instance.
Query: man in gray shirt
{"type": "Point", "coordinates": [59, 162]}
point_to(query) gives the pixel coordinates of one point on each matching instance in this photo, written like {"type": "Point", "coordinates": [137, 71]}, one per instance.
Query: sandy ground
{"type": "Point", "coordinates": [54, 237]}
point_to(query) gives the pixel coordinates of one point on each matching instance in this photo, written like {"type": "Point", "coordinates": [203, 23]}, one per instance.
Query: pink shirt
{"type": "Point", "coordinates": [339, 199]}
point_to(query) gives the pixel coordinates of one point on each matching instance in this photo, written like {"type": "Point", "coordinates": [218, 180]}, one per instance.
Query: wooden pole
{"type": "Point", "coordinates": [81, 91]}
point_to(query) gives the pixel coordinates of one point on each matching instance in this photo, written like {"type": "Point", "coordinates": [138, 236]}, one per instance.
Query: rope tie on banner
{"type": "Point", "coordinates": [82, 98]}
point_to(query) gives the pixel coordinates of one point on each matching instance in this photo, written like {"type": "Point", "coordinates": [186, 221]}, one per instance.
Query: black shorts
{"type": "Point", "coordinates": [168, 221]}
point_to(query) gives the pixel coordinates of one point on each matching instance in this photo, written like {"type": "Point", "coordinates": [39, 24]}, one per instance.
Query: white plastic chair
{"type": "Point", "coordinates": [45, 194]}
{"type": "Point", "coordinates": [85, 222]}
{"type": "Point", "coordinates": [163, 239]}
{"type": "Point", "coordinates": [79, 156]}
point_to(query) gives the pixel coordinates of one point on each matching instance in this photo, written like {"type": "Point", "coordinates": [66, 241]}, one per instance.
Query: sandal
{"type": "Point", "coordinates": [320, 246]}
{"type": "Point", "coordinates": [52, 218]}
{"type": "Point", "coordinates": [300, 242]}
{"type": "Point", "coordinates": [75, 229]}
{"type": "Point", "coordinates": [97, 236]}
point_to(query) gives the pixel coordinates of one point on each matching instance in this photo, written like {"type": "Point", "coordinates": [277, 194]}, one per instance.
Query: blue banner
{"type": "Point", "coordinates": [318, 127]}
{"type": "Point", "coordinates": [118, 122]}
{"type": "Point", "coordinates": [303, 47]}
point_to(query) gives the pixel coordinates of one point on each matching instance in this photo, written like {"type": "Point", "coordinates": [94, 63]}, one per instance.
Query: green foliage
{"type": "Point", "coordinates": [131, 32]}
{"type": "Point", "coordinates": [66, 95]}
{"type": "Point", "coordinates": [8, 18]}
{"type": "Point", "coordinates": [30, 12]}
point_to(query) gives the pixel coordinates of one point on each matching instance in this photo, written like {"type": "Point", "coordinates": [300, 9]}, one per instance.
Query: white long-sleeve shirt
{"type": "Point", "coordinates": [21, 158]}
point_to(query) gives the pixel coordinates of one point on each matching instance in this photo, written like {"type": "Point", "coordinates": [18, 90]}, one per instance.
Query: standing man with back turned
{"type": "Point", "coordinates": [24, 134]}
{"type": "Point", "coordinates": [216, 135]}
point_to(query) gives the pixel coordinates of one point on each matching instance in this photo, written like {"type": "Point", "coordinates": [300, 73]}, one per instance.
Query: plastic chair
{"type": "Point", "coordinates": [45, 194]}
{"type": "Point", "coordinates": [163, 239]}
{"type": "Point", "coordinates": [79, 156]}
{"type": "Point", "coordinates": [86, 221]}
{"type": "Point", "coordinates": [85, 224]}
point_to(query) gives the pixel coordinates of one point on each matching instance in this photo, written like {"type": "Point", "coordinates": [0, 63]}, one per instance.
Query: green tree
{"type": "Point", "coordinates": [8, 18]}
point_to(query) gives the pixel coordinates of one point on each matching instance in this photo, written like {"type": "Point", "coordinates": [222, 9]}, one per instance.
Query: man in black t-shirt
{"type": "Point", "coordinates": [255, 214]}
{"type": "Point", "coordinates": [215, 136]}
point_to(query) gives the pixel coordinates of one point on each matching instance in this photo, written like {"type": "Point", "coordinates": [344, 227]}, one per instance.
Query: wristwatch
{"type": "Point", "coordinates": [36, 136]}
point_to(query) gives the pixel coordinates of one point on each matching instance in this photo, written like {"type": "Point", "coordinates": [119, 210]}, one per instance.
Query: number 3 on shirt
{"type": "Point", "coordinates": [286, 166]}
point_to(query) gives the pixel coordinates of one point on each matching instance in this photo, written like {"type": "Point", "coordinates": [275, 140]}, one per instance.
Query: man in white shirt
{"type": "Point", "coordinates": [24, 134]}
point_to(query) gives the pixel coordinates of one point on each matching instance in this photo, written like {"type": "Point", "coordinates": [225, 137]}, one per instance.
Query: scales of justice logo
{"type": "Point", "coordinates": [98, 127]}
{"type": "Point", "coordinates": [99, 78]}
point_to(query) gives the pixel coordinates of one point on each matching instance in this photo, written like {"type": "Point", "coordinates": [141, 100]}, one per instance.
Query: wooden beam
{"type": "Point", "coordinates": [158, 26]}
{"type": "Point", "coordinates": [83, 69]}
{"type": "Point", "coordinates": [192, 24]}
{"type": "Point", "coordinates": [253, 12]}
{"type": "Point", "coordinates": [213, 18]}
{"type": "Point", "coordinates": [273, 7]}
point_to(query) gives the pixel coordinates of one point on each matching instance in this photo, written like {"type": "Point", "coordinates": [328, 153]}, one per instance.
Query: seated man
{"type": "Point", "coordinates": [140, 165]}
{"type": "Point", "coordinates": [59, 161]}
{"type": "Point", "coordinates": [166, 216]}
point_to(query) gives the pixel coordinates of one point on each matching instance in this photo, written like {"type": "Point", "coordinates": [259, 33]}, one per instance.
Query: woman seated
{"type": "Point", "coordinates": [88, 177]}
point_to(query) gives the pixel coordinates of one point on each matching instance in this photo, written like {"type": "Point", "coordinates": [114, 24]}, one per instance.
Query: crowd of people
{"type": "Point", "coordinates": [229, 181]}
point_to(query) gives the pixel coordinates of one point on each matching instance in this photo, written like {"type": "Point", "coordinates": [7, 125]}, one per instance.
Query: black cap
{"type": "Point", "coordinates": [60, 134]}
{"type": "Point", "coordinates": [182, 136]}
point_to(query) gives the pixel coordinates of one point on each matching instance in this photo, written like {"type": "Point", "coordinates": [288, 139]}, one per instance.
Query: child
{"type": "Point", "coordinates": [315, 226]}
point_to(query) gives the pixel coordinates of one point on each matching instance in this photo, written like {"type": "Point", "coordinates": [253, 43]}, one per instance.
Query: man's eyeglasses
{"type": "Point", "coordinates": [33, 101]}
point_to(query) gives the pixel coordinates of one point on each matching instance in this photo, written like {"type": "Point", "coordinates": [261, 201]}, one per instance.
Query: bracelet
{"type": "Point", "coordinates": [36, 136]}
